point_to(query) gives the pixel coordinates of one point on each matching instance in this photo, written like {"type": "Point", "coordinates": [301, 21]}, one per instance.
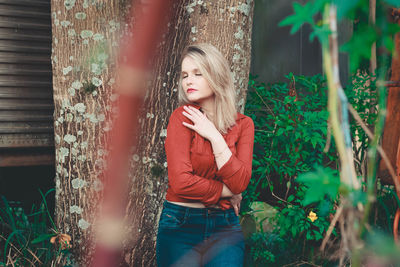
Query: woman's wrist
{"type": "Point", "coordinates": [218, 144]}
{"type": "Point", "coordinates": [221, 151]}
{"type": "Point", "coordinates": [219, 154]}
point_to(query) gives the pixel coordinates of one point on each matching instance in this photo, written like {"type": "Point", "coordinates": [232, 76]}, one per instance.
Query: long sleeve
{"type": "Point", "coordinates": [181, 178]}
{"type": "Point", "coordinates": [236, 172]}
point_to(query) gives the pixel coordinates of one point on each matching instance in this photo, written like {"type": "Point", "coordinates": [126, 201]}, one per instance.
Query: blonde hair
{"type": "Point", "coordinates": [215, 69]}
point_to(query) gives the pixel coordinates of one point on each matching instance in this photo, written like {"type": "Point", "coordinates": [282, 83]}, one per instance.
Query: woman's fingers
{"type": "Point", "coordinates": [187, 115]}
{"type": "Point", "coordinates": [192, 114]}
{"type": "Point", "coordinates": [196, 111]}
{"type": "Point", "coordinates": [236, 209]}
{"type": "Point", "coordinates": [236, 200]}
{"type": "Point", "coordinates": [193, 111]}
{"type": "Point", "coordinates": [188, 125]}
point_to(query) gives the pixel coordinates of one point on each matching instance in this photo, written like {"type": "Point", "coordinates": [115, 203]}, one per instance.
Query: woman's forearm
{"type": "Point", "coordinates": [221, 151]}
{"type": "Point", "coordinates": [222, 154]}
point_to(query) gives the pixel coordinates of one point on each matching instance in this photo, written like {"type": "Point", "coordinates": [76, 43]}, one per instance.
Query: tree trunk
{"type": "Point", "coordinates": [391, 133]}
{"type": "Point", "coordinates": [85, 34]}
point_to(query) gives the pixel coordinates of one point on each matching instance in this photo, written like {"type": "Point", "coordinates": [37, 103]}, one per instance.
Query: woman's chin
{"type": "Point", "coordinates": [192, 99]}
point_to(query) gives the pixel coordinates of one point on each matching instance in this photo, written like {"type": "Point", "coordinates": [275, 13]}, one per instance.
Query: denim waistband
{"type": "Point", "coordinates": [180, 208]}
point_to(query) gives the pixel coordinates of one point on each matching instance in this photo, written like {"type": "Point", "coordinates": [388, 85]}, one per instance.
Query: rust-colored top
{"type": "Point", "coordinates": [193, 175]}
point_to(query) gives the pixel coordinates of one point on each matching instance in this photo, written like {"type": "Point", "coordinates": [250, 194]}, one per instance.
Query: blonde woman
{"type": "Point", "coordinates": [209, 148]}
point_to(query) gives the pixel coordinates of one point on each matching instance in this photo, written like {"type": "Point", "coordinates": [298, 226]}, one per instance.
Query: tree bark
{"type": "Point", "coordinates": [79, 60]}
{"type": "Point", "coordinates": [391, 134]}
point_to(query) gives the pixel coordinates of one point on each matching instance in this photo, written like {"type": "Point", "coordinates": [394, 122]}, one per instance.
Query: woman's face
{"type": "Point", "coordinates": [195, 86]}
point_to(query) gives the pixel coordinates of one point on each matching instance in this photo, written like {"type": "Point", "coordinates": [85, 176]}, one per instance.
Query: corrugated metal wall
{"type": "Point", "coordinates": [275, 52]}
{"type": "Point", "coordinates": [26, 105]}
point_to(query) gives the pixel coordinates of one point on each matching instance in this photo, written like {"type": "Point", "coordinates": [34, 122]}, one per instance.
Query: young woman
{"type": "Point", "coordinates": [209, 148]}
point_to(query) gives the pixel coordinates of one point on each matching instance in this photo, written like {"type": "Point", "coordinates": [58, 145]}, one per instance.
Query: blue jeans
{"type": "Point", "coordinates": [191, 237]}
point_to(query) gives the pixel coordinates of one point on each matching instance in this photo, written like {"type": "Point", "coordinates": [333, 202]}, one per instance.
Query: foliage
{"type": "Point", "coordinates": [359, 46]}
{"type": "Point", "coordinates": [297, 234]}
{"type": "Point", "coordinates": [289, 160]}
{"type": "Point", "coordinates": [296, 223]}
{"type": "Point", "coordinates": [25, 238]}
{"type": "Point", "coordinates": [290, 135]}
{"type": "Point", "coordinates": [362, 95]}
{"type": "Point", "coordinates": [263, 249]}
{"type": "Point", "coordinates": [386, 205]}
{"type": "Point", "coordinates": [321, 182]}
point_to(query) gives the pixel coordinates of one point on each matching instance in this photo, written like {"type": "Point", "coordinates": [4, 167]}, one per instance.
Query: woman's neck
{"type": "Point", "coordinates": [208, 108]}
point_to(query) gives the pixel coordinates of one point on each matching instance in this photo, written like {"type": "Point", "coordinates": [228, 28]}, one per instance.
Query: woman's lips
{"type": "Point", "coordinates": [190, 90]}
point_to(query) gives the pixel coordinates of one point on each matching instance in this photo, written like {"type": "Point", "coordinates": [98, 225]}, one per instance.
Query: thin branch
{"type": "Point", "coordinates": [273, 194]}
{"type": "Point", "coordinates": [379, 148]}
{"type": "Point", "coordinates": [331, 227]}
{"type": "Point", "coordinates": [344, 243]}
{"type": "Point", "coordinates": [336, 97]}
{"type": "Point", "coordinates": [328, 138]}
{"type": "Point", "coordinates": [266, 105]}
{"type": "Point", "coordinates": [372, 21]}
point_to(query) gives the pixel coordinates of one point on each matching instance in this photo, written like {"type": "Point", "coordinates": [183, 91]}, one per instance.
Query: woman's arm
{"type": "Point", "coordinates": [181, 179]}
{"type": "Point", "coordinates": [204, 127]}
{"type": "Point", "coordinates": [234, 170]}
{"type": "Point", "coordinates": [221, 151]}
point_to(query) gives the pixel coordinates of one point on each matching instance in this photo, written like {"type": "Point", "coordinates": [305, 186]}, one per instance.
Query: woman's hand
{"type": "Point", "coordinates": [201, 124]}
{"type": "Point", "coordinates": [235, 201]}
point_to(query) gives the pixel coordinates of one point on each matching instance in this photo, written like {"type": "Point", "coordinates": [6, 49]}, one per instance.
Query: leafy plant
{"type": "Point", "coordinates": [314, 192]}
{"type": "Point", "coordinates": [321, 183]}
{"type": "Point", "coordinates": [265, 249]}
{"type": "Point", "coordinates": [290, 137]}
{"type": "Point", "coordinates": [296, 223]}
{"type": "Point", "coordinates": [291, 133]}
{"type": "Point", "coordinates": [25, 238]}
{"type": "Point", "coordinates": [295, 163]}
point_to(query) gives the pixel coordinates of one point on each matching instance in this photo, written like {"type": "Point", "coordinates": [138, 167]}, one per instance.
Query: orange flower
{"type": "Point", "coordinates": [62, 240]}
{"type": "Point", "coordinates": [312, 216]}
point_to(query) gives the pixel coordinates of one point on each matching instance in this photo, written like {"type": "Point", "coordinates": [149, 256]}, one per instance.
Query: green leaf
{"type": "Point", "coordinates": [345, 6]}
{"type": "Point", "coordinates": [320, 182]}
{"type": "Point", "coordinates": [308, 236]}
{"type": "Point", "coordinates": [42, 238]}
{"type": "Point", "coordinates": [302, 14]}
{"type": "Point", "coordinates": [388, 42]}
{"type": "Point", "coordinates": [294, 232]}
{"type": "Point", "coordinates": [280, 131]}
{"type": "Point", "coordinates": [359, 46]}
{"type": "Point", "coordinates": [321, 32]}
{"type": "Point", "coordinates": [314, 142]}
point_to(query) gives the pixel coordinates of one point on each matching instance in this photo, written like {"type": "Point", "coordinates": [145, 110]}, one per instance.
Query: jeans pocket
{"type": "Point", "coordinates": [172, 219]}
{"type": "Point", "coordinates": [232, 220]}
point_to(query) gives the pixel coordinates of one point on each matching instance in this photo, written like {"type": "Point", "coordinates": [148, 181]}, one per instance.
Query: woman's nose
{"type": "Point", "coordinates": [188, 80]}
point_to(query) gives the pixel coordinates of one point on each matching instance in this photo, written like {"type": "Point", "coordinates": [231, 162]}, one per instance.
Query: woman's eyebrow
{"type": "Point", "coordinates": [193, 70]}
